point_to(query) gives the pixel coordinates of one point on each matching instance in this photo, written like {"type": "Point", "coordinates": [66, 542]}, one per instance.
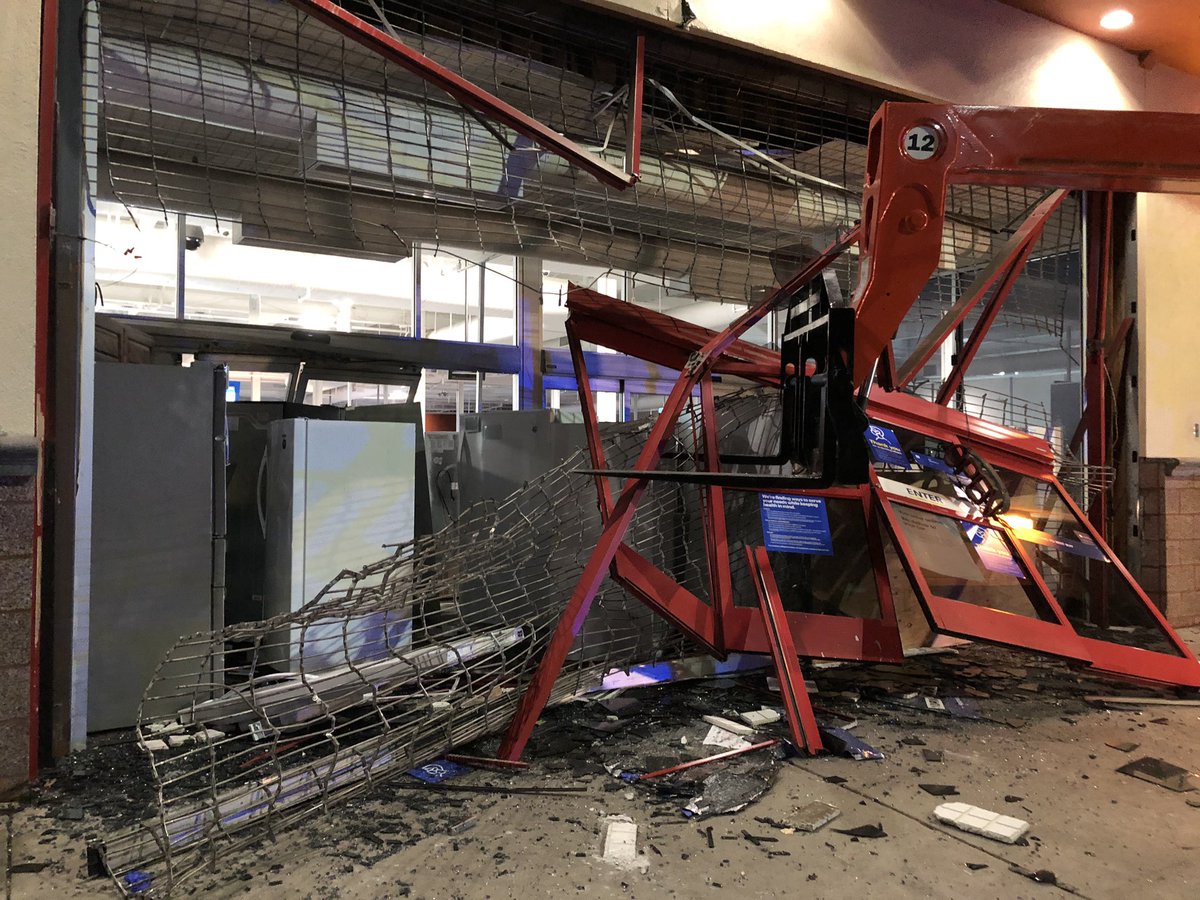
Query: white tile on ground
{"type": "Point", "coordinates": [976, 820]}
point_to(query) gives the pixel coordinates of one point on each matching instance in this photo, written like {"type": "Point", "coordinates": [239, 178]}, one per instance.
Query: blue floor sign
{"type": "Point", "coordinates": [795, 524]}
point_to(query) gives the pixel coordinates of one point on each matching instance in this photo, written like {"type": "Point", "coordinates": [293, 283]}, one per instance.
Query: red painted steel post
{"type": "Point", "coordinates": [633, 161]}
{"type": "Point", "coordinates": [533, 701]}
{"type": "Point", "coordinates": [591, 424]}
{"type": "Point", "coordinates": [720, 582]}
{"type": "Point", "coordinates": [792, 690]}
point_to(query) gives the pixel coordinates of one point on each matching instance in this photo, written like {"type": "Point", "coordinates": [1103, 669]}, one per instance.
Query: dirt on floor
{"type": "Point", "coordinates": [1019, 738]}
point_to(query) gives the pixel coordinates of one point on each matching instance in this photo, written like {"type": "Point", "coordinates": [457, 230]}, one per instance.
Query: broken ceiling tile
{"type": "Point", "coordinates": [976, 820]}
{"type": "Point", "coordinates": [813, 816]}
{"type": "Point", "coordinates": [1160, 772]}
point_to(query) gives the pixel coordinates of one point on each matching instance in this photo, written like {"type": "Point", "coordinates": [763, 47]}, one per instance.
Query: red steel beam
{"type": "Point", "coordinates": [1111, 347]}
{"type": "Point", "coordinates": [591, 424]}
{"type": "Point", "coordinates": [792, 690]}
{"type": "Point", "coordinates": [716, 537]}
{"type": "Point", "coordinates": [470, 95]}
{"type": "Point", "coordinates": [904, 197]}
{"type": "Point", "coordinates": [633, 160]}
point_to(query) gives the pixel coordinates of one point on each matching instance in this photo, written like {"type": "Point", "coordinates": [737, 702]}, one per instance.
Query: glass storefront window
{"type": "Point", "coordinates": [136, 252]}
{"type": "Point", "coordinates": [452, 282]}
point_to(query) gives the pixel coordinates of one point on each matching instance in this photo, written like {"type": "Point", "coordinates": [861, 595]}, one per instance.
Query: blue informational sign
{"type": "Point", "coordinates": [438, 771]}
{"type": "Point", "coordinates": [795, 524]}
{"type": "Point", "coordinates": [885, 448]}
{"type": "Point", "coordinates": [931, 462]}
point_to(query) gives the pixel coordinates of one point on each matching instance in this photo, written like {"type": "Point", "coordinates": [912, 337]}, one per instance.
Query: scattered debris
{"type": "Point", "coordinates": [939, 790]}
{"type": "Point", "coordinates": [975, 867]}
{"type": "Point", "coordinates": [1041, 876]}
{"type": "Point", "coordinates": [484, 762]}
{"type": "Point", "coordinates": [932, 756]}
{"type": "Point", "coordinates": [863, 831]}
{"type": "Point", "coordinates": [464, 825]}
{"type": "Point", "coordinates": [838, 740]}
{"type": "Point", "coordinates": [758, 840]}
{"type": "Point", "coordinates": [708, 759]}
{"type": "Point", "coordinates": [27, 868]}
{"type": "Point", "coordinates": [620, 842]}
{"type": "Point", "coordinates": [757, 718]}
{"type": "Point", "coordinates": [729, 725]}
{"type": "Point", "coordinates": [617, 704]}
{"type": "Point", "coordinates": [1162, 773]}
{"type": "Point", "coordinates": [1123, 746]}
{"type": "Point", "coordinates": [1138, 701]}
{"type": "Point", "coordinates": [720, 737]}
{"type": "Point", "coordinates": [727, 792]}
{"type": "Point", "coordinates": [959, 707]}
{"type": "Point", "coordinates": [977, 820]}
{"type": "Point", "coordinates": [813, 816]}
{"type": "Point", "coordinates": [1012, 798]}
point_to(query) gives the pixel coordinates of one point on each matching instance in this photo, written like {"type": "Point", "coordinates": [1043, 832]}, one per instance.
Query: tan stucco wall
{"type": "Point", "coordinates": [20, 39]}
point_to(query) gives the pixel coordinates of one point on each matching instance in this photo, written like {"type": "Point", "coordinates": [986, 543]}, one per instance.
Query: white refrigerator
{"type": "Point", "coordinates": [336, 493]}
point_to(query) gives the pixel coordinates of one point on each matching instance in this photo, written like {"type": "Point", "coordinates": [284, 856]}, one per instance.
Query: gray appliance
{"type": "Point", "coordinates": [500, 451]}
{"type": "Point", "coordinates": [155, 575]}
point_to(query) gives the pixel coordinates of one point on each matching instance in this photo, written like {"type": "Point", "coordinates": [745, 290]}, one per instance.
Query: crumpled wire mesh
{"type": "Point", "coordinates": [261, 725]}
{"type": "Point", "coordinates": [251, 113]}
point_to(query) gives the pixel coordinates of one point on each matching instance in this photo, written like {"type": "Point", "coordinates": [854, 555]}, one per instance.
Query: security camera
{"type": "Point", "coordinates": [193, 237]}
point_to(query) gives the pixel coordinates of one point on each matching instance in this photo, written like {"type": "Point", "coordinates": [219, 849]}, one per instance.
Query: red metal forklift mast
{"type": "Point", "coordinates": [917, 150]}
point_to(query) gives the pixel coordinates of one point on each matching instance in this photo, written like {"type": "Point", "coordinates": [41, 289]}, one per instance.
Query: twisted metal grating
{"type": "Point", "coordinates": [262, 725]}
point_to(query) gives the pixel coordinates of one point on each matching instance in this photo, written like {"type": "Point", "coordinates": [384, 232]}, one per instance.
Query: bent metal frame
{"type": "Point", "coordinates": [915, 152]}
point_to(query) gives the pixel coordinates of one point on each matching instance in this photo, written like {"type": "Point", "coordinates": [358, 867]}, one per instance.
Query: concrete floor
{"type": "Point", "coordinates": [1101, 833]}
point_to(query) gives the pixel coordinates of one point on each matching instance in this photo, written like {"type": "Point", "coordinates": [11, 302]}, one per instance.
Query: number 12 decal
{"type": "Point", "coordinates": [921, 142]}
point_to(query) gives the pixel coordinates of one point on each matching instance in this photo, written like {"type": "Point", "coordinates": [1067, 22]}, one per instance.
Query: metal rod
{"type": "Point", "coordinates": [180, 266]}
{"type": "Point", "coordinates": [416, 292]}
{"type": "Point", "coordinates": [485, 762]}
{"type": "Point", "coordinates": [708, 759]}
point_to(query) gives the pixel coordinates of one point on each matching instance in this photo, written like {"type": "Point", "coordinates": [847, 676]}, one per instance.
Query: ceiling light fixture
{"type": "Point", "coordinates": [1116, 19]}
